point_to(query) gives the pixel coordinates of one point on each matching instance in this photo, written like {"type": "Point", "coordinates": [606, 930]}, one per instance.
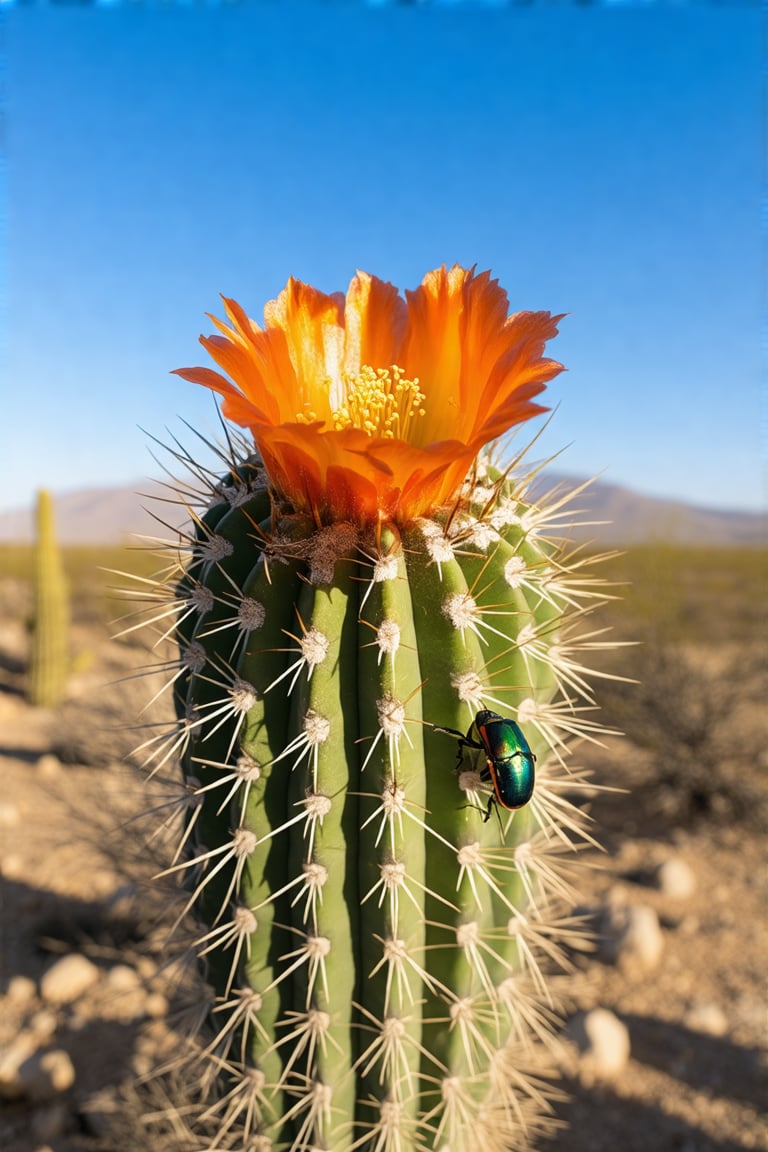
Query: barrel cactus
{"type": "Point", "coordinates": [376, 918]}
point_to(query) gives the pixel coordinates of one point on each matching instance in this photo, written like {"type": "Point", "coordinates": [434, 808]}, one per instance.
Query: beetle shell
{"type": "Point", "coordinates": [509, 760]}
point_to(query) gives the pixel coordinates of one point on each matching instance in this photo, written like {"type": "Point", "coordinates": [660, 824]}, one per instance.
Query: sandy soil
{"type": "Point", "coordinates": [697, 1019]}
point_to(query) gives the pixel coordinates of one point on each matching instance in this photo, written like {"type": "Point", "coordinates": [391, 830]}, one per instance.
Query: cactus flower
{"type": "Point", "coordinates": [370, 407]}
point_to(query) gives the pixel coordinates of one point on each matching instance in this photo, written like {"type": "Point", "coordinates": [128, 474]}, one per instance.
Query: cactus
{"type": "Point", "coordinates": [49, 626]}
{"type": "Point", "coordinates": [377, 930]}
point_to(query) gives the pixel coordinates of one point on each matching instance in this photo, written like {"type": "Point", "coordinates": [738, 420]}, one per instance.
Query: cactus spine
{"type": "Point", "coordinates": [377, 951]}
{"type": "Point", "coordinates": [49, 656]}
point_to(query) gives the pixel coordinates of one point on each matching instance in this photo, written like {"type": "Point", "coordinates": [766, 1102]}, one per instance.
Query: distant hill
{"type": "Point", "coordinates": [100, 515]}
{"type": "Point", "coordinates": [632, 518]}
{"type": "Point", "coordinates": [616, 515]}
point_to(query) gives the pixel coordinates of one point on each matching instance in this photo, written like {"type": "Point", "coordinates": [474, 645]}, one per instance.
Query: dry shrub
{"type": "Point", "coordinates": [700, 712]}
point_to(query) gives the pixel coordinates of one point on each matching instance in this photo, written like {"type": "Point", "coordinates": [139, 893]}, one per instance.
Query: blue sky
{"type": "Point", "coordinates": [602, 161]}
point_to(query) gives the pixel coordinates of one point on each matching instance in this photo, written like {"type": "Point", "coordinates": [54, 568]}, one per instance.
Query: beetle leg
{"type": "Point", "coordinates": [450, 731]}
{"type": "Point", "coordinates": [464, 741]}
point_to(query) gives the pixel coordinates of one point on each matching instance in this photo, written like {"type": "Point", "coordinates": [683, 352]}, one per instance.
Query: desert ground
{"type": "Point", "coordinates": [675, 1058]}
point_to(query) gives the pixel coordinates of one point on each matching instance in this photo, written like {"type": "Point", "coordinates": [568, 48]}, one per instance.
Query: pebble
{"type": "Point", "coordinates": [156, 1005]}
{"type": "Point", "coordinates": [43, 1025]}
{"type": "Point", "coordinates": [632, 938]}
{"type": "Point", "coordinates": [48, 766]}
{"type": "Point", "coordinates": [146, 967]}
{"type": "Point", "coordinates": [602, 1042]}
{"type": "Point", "coordinates": [676, 879]}
{"type": "Point", "coordinates": [46, 1074]}
{"type": "Point", "coordinates": [9, 813]}
{"type": "Point", "coordinates": [128, 994]}
{"type": "Point", "coordinates": [123, 978]}
{"type": "Point", "coordinates": [36, 1075]}
{"type": "Point", "coordinates": [12, 1056]}
{"type": "Point", "coordinates": [12, 866]}
{"type": "Point", "coordinates": [708, 1018]}
{"type": "Point", "coordinates": [68, 978]}
{"type": "Point", "coordinates": [142, 1065]}
{"type": "Point", "coordinates": [21, 990]}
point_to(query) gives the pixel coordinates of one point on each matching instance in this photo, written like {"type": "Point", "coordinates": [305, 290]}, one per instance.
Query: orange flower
{"type": "Point", "coordinates": [370, 407]}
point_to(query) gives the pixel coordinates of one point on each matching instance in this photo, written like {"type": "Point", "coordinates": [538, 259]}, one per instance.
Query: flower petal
{"type": "Point", "coordinates": [432, 349]}
{"type": "Point", "coordinates": [312, 324]}
{"type": "Point", "coordinates": [236, 407]}
{"type": "Point", "coordinates": [374, 322]}
{"type": "Point", "coordinates": [520, 373]}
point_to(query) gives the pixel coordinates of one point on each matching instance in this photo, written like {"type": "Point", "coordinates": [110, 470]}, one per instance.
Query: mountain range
{"type": "Point", "coordinates": [605, 513]}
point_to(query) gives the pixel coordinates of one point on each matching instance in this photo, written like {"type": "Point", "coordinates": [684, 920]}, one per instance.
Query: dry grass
{"type": "Point", "coordinates": [710, 596]}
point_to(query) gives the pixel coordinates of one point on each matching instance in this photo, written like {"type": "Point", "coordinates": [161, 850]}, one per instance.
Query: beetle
{"type": "Point", "coordinates": [508, 757]}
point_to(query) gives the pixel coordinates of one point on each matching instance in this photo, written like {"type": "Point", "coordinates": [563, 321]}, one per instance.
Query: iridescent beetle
{"type": "Point", "coordinates": [508, 757]}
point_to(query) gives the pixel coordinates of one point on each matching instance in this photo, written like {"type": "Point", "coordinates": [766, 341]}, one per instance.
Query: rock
{"type": "Point", "coordinates": [21, 990]}
{"type": "Point", "coordinates": [48, 766]}
{"type": "Point", "coordinates": [123, 978]}
{"type": "Point", "coordinates": [12, 1057]}
{"type": "Point", "coordinates": [12, 866]}
{"type": "Point", "coordinates": [156, 1005]}
{"type": "Point", "coordinates": [708, 1018]}
{"type": "Point", "coordinates": [68, 978]}
{"type": "Point", "coordinates": [632, 938]}
{"type": "Point", "coordinates": [676, 879]}
{"type": "Point", "coordinates": [128, 994]}
{"type": "Point", "coordinates": [602, 1044]}
{"type": "Point", "coordinates": [9, 813]}
{"type": "Point", "coordinates": [43, 1025]}
{"type": "Point", "coordinates": [146, 967]}
{"type": "Point", "coordinates": [689, 925]}
{"type": "Point", "coordinates": [37, 1075]}
{"type": "Point", "coordinates": [46, 1074]}
{"type": "Point", "coordinates": [143, 1064]}
{"type": "Point", "coordinates": [641, 943]}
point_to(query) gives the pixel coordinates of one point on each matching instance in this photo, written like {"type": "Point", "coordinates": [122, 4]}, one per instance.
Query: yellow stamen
{"type": "Point", "coordinates": [381, 402]}
{"type": "Point", "coordinates": [308, 416]}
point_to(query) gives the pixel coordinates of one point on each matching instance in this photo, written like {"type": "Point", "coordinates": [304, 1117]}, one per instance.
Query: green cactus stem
{"type": "Point", "coordinates": [49, 625]}
{"type": "Point", "coordinates": [378, 951]}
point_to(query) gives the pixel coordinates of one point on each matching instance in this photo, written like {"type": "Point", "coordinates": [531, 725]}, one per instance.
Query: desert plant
{"type": "Point", "coordinates": [687, 708]}
{"type": "Point", "coordinates": [376, 917]}
{"type": "Point", "coordinates": [49, 624]}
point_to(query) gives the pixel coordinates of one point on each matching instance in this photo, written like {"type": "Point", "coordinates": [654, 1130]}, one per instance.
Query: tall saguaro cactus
{"type": "Point", "coordinates": [375, 922]}
{"type": "Point", "coordinates": [49, 656]}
